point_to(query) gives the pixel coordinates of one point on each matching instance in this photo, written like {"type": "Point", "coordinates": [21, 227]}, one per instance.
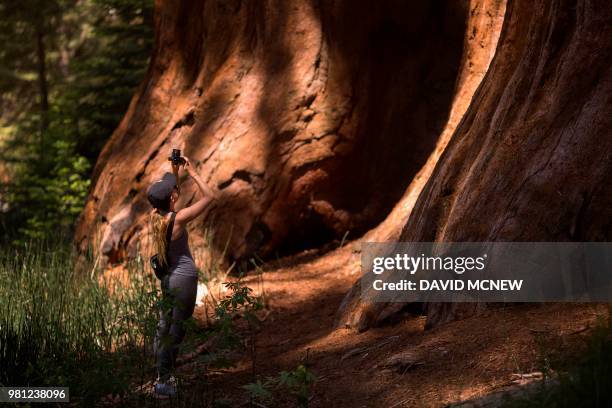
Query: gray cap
{"type": "Point", "coordinates": [160, 191]}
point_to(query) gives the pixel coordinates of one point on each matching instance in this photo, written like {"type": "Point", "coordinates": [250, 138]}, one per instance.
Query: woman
{"type": "Point", "coordinates": [179, 287]}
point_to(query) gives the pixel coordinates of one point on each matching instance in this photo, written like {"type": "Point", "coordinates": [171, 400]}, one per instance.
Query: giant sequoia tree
{"type": "Point", "coordinates": [314, 118]}
{"type": "Point", "coordinates": [532, 157]}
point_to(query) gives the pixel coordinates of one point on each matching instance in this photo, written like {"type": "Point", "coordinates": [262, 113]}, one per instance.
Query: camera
{"type": "Point", "coordinates": [175, 157]}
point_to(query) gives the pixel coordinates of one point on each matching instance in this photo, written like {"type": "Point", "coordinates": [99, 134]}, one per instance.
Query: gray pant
{"type": "Point", "coordinates": [179, 296]}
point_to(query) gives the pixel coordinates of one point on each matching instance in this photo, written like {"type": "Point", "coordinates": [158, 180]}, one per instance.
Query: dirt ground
{"type": "Point", "coordinates": [455, 362]}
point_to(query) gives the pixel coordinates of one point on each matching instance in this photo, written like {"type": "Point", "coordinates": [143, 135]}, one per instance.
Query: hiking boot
{"type": "Point", "coordinates": [165, 389]}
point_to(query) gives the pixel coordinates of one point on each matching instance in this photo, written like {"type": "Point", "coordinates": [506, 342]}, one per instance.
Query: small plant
{"type": "Point", "coordinates": [259, 391]}
{"type": "Point", "coordinates": [297, 383]}
{"type": "Point", "coordinates": [241, 304]}
{"type": "Point", "coordinates": [226, 335]}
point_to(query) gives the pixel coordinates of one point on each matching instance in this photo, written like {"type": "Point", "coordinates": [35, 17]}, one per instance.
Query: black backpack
{"type": "Point", "coordinates": [162, 270]}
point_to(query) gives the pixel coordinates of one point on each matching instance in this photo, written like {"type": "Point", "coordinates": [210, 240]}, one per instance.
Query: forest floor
{"type": "Point", "coordinates": [401, 364]}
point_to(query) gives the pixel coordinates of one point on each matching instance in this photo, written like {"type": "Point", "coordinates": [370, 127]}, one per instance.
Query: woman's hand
{"type": "Point", "coordinates": [191, 171]}
{"type": "Point", "coordinates": [175, 169]}
{"type": "Point", "coordinates": [202, 205]}
{"type": "Point", "coordinates": [188, 167]}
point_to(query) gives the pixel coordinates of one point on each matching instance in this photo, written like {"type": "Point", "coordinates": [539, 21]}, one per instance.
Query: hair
{"type": "Point", "coordinates": [165, 205]}
{"type": "Point", "coordinates": [159, 228]}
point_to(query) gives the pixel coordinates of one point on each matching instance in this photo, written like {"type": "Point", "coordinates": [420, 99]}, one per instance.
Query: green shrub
{"type": "Point", "coordinates": [297, 383]}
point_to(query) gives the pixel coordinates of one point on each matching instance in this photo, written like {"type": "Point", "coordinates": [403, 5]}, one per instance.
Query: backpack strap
{"type": "Point", "coordinates": [169, 233]}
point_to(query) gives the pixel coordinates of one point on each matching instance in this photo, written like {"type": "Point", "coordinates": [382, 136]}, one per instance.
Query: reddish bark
{"type": "Point", "coordinates": [312, 118]}
{"type": "Point", "coordinates": [531, 159]}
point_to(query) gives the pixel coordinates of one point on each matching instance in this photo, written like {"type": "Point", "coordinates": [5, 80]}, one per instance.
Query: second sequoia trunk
{"type": "Point", "coordinates": [531, 159]}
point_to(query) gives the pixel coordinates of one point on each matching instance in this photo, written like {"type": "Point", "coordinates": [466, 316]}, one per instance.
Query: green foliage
{"type": "Point", "coordinates": [20, 23]}
{"type": "Point", "coordinates": [49, 202]}
{"type": "Point", "coordinates": [111, 63]}
{"type": "Point", "coordinates": [239, 305]}
{"type": "Point", "coordinates": [60, 328]}
{"type": "Point", "coordinates": [297, 383]}
{"type": "Point", "coordinates": [58, 110]}
{"type": "Point", "coordinates": [259, 391]}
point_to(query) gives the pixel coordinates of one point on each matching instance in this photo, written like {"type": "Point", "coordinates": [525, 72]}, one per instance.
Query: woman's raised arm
{"type": "Point", "coordinates": [187, 214]}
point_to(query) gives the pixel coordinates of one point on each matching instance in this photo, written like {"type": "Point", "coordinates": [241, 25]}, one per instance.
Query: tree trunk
{"type": "Point", "coordinates": [531, 159]}
{"type": "Point", "coordinates": [311, 117]}
{"type": "Point", "coordinates": [314, 118]}
{"type": "Point", "coordinates": [43, 90]}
